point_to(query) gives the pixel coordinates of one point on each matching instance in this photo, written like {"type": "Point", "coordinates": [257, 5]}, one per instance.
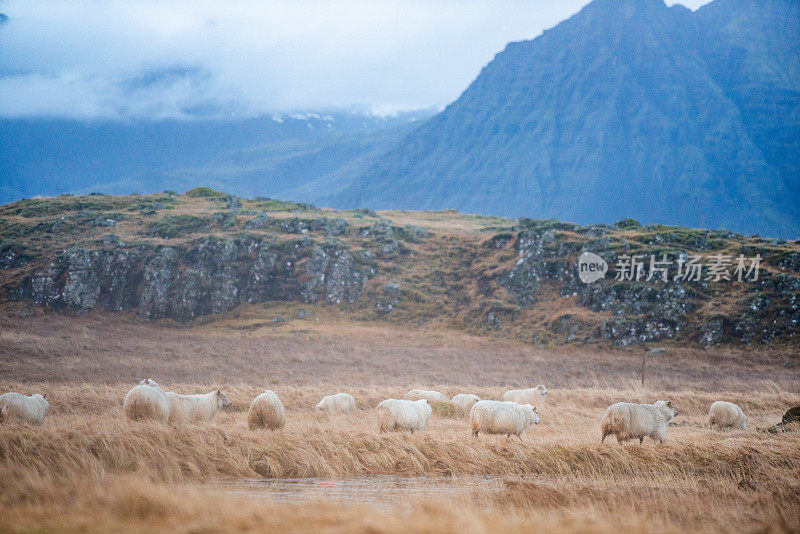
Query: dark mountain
{"type": "Point", "coordinates": [290, 156]}
{"type": "Point", "coordinates": [627, 109]}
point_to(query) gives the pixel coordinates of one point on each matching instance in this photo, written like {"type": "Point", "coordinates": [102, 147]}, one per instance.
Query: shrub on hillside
{"type": "Point", "coordinates": [171, 226]}
{"type": "Point", "coordinates": [205, 192]}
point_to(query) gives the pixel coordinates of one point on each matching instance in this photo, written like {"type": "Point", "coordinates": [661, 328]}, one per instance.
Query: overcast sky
{"type": "Point", "coordinates": [149, 58]}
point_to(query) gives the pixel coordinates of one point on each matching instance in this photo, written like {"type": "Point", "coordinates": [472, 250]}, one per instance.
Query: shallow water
{"type": "Point", "coordinates": [375, 489]}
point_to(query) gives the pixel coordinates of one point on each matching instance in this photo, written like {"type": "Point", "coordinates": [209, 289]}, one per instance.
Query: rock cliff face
{"type": "Point", "coordinates": [644, 311]}
{"type": "Point", "coordinates": [203, 253]}
{"type": "Point", "coordinates": [206, 276]}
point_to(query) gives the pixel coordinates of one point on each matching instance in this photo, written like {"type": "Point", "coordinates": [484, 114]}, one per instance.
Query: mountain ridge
{"type": "Point", "coordinates": [615, 112]}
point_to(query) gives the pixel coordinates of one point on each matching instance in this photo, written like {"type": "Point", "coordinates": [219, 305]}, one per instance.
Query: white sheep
{"type": "Point", "coordinates": [152, 383]}
{"type": "Point", "coordinates": [502, 417]}
{"type": "Point", "coordinates": [465, 401]}
{"type": "Point", "coordinates": [341, 403]}
{"type": "Point", "coordinates": [29, 409]}
{"type": "Point", "coordinates": [726, 415]}
{"type": "Point", "coordinates": [146, 401]}
{"type": "Point", "coordinates": [198, 408]}
{"type": "Point", "coordinates": [430, 396]}
{"type": "Point", "coordinates": [626, 420]}
{"type": "Point", "coordinates": [266, 411]}
{"type": "Point", "coordinates": [402, 414]}
{"type": "Point", "coordinates": [534, 396]}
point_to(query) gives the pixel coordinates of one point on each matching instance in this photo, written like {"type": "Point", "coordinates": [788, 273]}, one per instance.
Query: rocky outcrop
{"type": "Point", "coordinates": [296, 225]}
{"type": "Point", "coordinates": [206, 276]}
{"type": "Point", "coordinates": [331, 275]}
{"type": "Point", "coordinates": [641, 310]}
{"type": "Point", "coordinates": [791, 262]}
{"type": "Point", "coordinates": [770, 312]}
{"type": "Point", "coordinates": [12, 257]}
{"type": "Point", "coordinates": [712, 331]}
{"type": "Point", "coordinates": [541, 255]}
{"type": "Point", "coordinates": [159, 273]}
{"type": "Point", "coordinates": [210, 252]}
{"type": "Point", "coordinates": [389, 299]}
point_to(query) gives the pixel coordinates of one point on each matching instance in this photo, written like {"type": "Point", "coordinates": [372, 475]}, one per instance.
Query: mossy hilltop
{"type": "Point", "coordinates": [206, 252]}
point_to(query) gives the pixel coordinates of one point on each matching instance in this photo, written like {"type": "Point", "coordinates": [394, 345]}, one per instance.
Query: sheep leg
{"type": "Point", "coordinates": [641, 440]}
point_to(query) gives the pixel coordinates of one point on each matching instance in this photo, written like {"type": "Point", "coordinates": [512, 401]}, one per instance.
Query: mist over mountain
{"type": "Point", "coordinates": [628, 109]}
{"type": "Point", "coordinates": [285, 156]}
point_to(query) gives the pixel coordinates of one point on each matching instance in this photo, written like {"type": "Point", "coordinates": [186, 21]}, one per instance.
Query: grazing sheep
{"type": "Point", "coordinates": [152, 383]}
{"type": "Point", "coordinates": [397, 414]}
{"type": "Point", "coordinates": [341, 403]}
{"type": "Point", "coordinates": [430, 396]}
{"type": "Point", "coordinates": [29, 409]}
{"type": "Point", "coordinates": [146, 401]}
{"type": "Point", "coordinates": [465, 401]}
{"type": "Point", "coordinates": [627, 420]}
{"type": "Point", "coordinates": [534, 396]}
{"type": "Point", "coordinates": [502, 417]}
{"type": "Point", "coordinates": [266, 411]}
{"type": "Point", "coordinates": [200, 408]}
{"type": "Point", "coordinates": [726, 415]}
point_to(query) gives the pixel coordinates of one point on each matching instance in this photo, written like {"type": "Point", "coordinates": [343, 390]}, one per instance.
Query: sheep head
{"type": "Point", "coordinates": [222, 400]}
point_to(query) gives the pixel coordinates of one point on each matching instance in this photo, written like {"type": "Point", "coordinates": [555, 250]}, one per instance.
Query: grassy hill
{"type": "Point", "coordinates": [204, 253]}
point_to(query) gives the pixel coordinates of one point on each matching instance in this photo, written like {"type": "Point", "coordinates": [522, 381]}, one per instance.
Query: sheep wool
{"type": "Point", "coordinates": [429, 395]}
{"type": "Point", "coordinates": [535, 396]}
{"type": "Point", "coordinates": [626, 420]}
{"type": "Point", "coordinates": [146, 402]}
{"type": "Point", "coordinates": [724, 414]}
{"type": "Point", "coordinates": [465, 401]}
{"type": "Point", "coordinates": [502, 417]}
{"type": "Point", "coordinates": [266, 411]}
{"type": "Point", "coordinates": [338, 403]}
{"type": "Point", "coordinates": [198, 408]}
{"type": "Point", "coordinates": [152, 383]}
{"type": "Point", "coordinates": [23, 408]}
{"type": "Point", "coordinates": [403, 414]}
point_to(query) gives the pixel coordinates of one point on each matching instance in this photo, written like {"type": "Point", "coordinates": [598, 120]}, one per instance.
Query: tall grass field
{"type": "Point", "coordinates": [89, 469]}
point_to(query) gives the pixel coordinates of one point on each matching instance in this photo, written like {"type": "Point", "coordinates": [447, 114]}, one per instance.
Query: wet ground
{"type": "Point", "coordinates": [377, 489]}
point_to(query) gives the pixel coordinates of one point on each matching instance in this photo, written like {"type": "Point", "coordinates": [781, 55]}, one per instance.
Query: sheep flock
{"type": "Point", "coordinates": [511, 415]}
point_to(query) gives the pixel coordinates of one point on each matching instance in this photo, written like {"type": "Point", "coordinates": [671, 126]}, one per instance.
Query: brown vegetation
{"type": "Point", "coordinates": [244, 346]}
{"type": "Point", "coordinates": [750, 476]}
{"type": "Point", "coordinates": [88, 468]}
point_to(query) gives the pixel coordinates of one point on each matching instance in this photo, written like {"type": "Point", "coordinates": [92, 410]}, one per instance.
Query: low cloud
{"type": "Point", "coordinates": [181, 58]}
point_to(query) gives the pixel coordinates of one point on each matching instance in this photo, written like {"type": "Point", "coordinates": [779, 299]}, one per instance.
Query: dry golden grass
{"type": "Point", "coordinates": [145, 474]}
{"type": "Point", "coordinates": [128, 503]}
{"type": "Point", "coordinates": [448, 221]}
{"type": "Point", "coordinates": [88, 469]}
